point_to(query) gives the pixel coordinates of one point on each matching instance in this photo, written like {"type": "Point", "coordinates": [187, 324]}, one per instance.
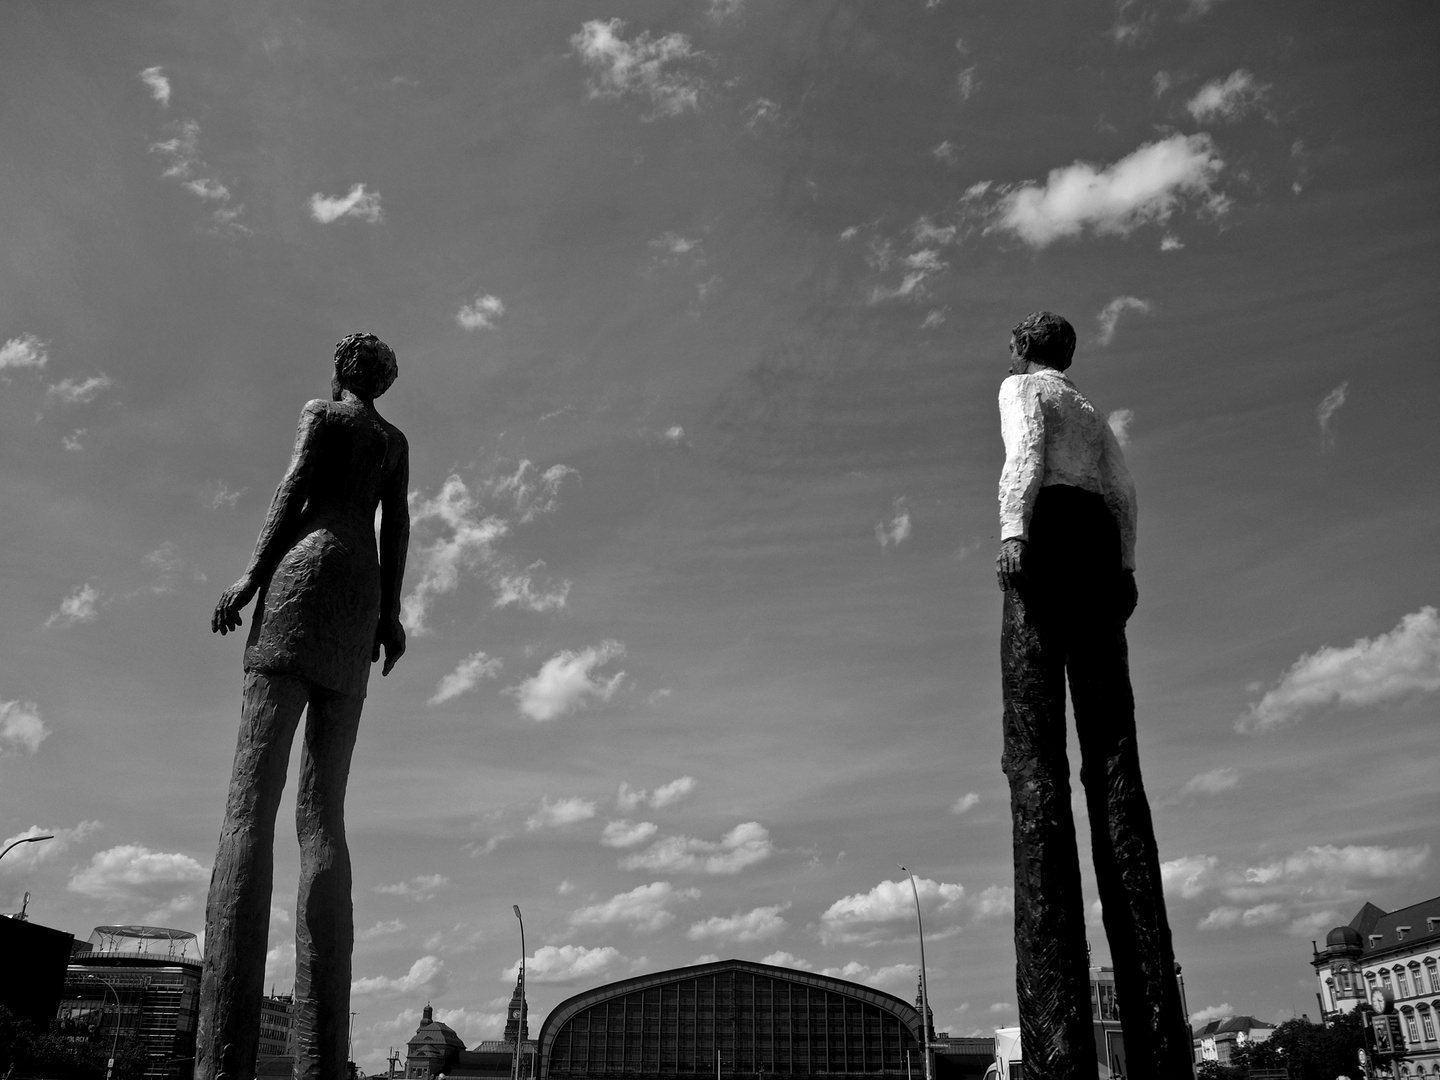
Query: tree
{"type": "Point", "coordinates": [1213, 1070]}
{"type": "Point", "coordinates": [1310, 1051]}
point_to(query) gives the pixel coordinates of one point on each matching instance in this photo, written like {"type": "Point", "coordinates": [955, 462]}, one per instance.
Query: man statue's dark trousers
{"type": "Point", "coordinates": [1066, 617]}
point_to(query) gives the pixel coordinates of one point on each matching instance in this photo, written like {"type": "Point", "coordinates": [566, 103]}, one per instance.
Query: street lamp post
{"type": "Point", "coordinates": [25, 840]}
{"type": "Point", "coordinates": [520, 1020]}
{"type": "Point", "coordinates": [924, 989]}
{"type": "Point", "coordinates": [115, 1040]}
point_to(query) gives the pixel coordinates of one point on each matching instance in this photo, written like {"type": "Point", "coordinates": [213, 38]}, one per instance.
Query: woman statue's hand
{"type": "Point", "coordinates": [227, 611]}
{"type": "Point", "coordinates": [391, 636]}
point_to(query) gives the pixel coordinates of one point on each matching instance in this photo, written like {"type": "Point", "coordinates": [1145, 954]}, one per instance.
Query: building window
{"type": "Point", "coordinates": [1411, 1026]}
{"type": "Point", "coordinates": [1434, 976]}
{"type": "Point", "coordinates": [1427, 1023]}
{"type": "Point", "coordinates": [1402, 982]}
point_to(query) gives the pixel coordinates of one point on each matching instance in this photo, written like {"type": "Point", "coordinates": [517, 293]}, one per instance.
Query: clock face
{"type": "Point", "coordinates": [515, 1013]}
{"type": "Point", "coordinates": [1377, 999]}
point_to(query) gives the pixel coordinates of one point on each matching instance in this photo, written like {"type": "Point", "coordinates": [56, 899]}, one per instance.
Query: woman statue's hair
{"type": "Point", "coordinates": [363, 363]}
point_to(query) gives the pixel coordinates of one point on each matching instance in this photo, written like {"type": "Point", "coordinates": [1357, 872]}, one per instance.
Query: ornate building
{"type": "Point", "coordinates": [436, 1049]}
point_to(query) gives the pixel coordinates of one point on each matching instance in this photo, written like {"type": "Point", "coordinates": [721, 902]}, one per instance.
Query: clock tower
{"type": "Point", "coordinates": [517, 1018]}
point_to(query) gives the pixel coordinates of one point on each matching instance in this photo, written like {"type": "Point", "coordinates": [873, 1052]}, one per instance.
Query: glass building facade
{"type": "Point", "coordinates": [731, 1018]}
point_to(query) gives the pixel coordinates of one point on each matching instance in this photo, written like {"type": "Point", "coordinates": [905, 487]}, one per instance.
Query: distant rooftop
{"type": "Point", "coordinates": [152, 942]}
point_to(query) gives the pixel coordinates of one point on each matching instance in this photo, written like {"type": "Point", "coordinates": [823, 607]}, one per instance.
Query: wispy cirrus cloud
{"type": "Point", "coordinates": [1146, 187]}
{"type": "Point", "coordinates": [1109, 316]}
{"type": "Point", "coordinates": [22, 729]}
{"type": "Point", "coordinates": [1387, 667]}
{"type": "Point", "coordinates": [745, 845]}
{"type": "Point", "coordinates": [569, 681]}
{"type": "Point", "coordinates": [1326, 410]}
{"type": "Point", "coordinates": [1212, 782]}
{"type": "Point", "coordinates": [184, 164]}
{"type": "Point", "coordinates": [357, 203]}
{"type": "Point", "coordinates": [154, 78]}
{"type": "Point", "coordinates": [78, 607]}
{"type": "Point", "coordinates": [465, 677]}
{"type": "Point", "coordinates": [72, 391]}
{"type": "Point", "coordinates": [1229, 98]}
{"type": "Point", "coordinates": [897, 529]}
{"type": "Point", "coordinates": [421, 888]}
{"type": "Point", "coordinates": [644, 909]}
{"type": "Point", "coordinates": [27, 350]}
{"type": "Point", "coordinates": [744, 926]}
{"type": "Point", "coordinates": [656, 69]}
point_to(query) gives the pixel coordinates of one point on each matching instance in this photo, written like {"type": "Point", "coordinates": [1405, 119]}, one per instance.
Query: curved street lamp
{"type": "Point", "coordinates": [26, 840]}
{"type": "Point", "coordinates": [924, 990]}
{"type": "Point", "coordinates": [115, 1041]}
{"type": "Point", "coordinates": [520, 1020]}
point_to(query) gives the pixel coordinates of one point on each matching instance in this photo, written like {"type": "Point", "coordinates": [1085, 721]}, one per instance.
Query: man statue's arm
{"type": "Point", "coordinates": [394, 545]}
{"type": "Point", "coordinates": [1022, 425]}
{"type": "Point", "coordinates": [278, 532]}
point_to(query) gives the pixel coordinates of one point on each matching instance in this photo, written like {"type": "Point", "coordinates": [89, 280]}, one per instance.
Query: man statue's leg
{"type": "Point", "coordinates": [1127, 862]}
{"type": "Point", "coordinates": [1052, 976]}
{"type": "Point", "coordinates": [324, 918]}
{"type": "Point", "coordinates": [237, 913]}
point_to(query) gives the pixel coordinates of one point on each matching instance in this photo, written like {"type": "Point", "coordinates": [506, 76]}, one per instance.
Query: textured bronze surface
{"type": "Point", "coordinates": [327, 607]}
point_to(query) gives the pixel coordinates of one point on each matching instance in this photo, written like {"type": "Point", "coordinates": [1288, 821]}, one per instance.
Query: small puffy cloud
{"type": "Point", "coordinates": [673, 245]}
{"type": "Point", "coordinates": [1171, 243]}
{"type": "Point", "coordinates": [665, 795]}
{"type": "Point", "coordinates": [1325, 412]}
{"type": "Point", "coordinates": [994, 902]}
{"type": "Point", "coordinates": [154, 78]}
{"type": "Point", "coordinates": [720, 10]}
{"type": "Point", "coordinates": [897, 530]}
{"type": "Point", "coordinates": [420, 888]}
{"type": "Point", "coordinates": [1229, 98]}
{"type": "Point", "coordinates": [1228, 917]}
{"type": "Point", "coordinates": [1354, 862]}
{"type": "Point", "coordinates": [644, 909]}
{"type": "Point", "coordinates": [853, 918]}
{"type": "Point", "coordinates": [967, 81]}
{"type": "Point", "coordinates": [653, 68]}
{"type": "Point", "coordinates": [130, 877]}
{"type": "Point", "coordinates": [895, 976]}
{"type": "Point", "coordinates": [24, 351]}
{"type": "Point", "coordinates": [169, 567]}
{"type": "Point", "coordinates": [1000, 1007]}
{"type": "Point", "coordinates": [1109, 315]}
{"type": "Point", "coordinates": [466, 676]}
{"type": "Point", "coordinates": [945, 151]}
{"type": "Point", "coordinates": [627, 834]}
{"type": "Point", "coordinates": [566, 964]}
{"type": "Point", "coordinates": [1212, 782]}
{"type": "Point", "coordinates": [480, 315]}
{"type": "Point", "coordinates": [565, 887]}
{"type": "Point", "coordinates": [280, 963]}
{"type": "Point", "coordinates": [569, 681]}
{"type": "Point", "coordinates": [78, 607]}
{"type": "Point", "coordinates": [754, 925]}
{"type": "Point", "coordinates": [1120, 421]}
{"type": "Point", "coordinates": [517, 588]}
{"type": "Point", "coordinates": [358, 203]}
{"type": "Point", "coordinates": [933, 318]}
{"type": "Point", "coordinates": [78, 391]}
{"type": "Point", "coordinates": [208, 188]}
{"type": "Point", "coordinates": [183, 163]}
{"type": "Point", "coordinates": [422, 973]}
{"type": "Point", "coordinates": [27, 857]}
{"type": "Point", "coordinates": [557, 813]}
{"type": "Point", "coordinates": [1212, 1012]}
{"type": "Point", "coordinates": [181, 154]}
{"type": "Point", "coordinates": [21, 729]}
{"type": "Point", "coordinates": [787, 959]}
{"type": "Point", "coordinates": [1389, 666]}
{"type": "Point", "coordinates": [1146, 186]}
{"type": "Point", "coordinates": [1163, 82]}
{"type": "Point", "coordinates": [744, 845]}
{"type": "Point", "coordinates": [1188, 876]}
{"type": "Point", "coordinates": [75, 441]}
{"type": "Point", "coordinates": [218, 496]}
{"type": "Point", "coordinates": [965, 803]}
{"type": "Point", "coordinates": [383, 928]}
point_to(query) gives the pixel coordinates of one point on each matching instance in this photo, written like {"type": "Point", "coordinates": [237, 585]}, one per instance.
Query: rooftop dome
{"type": "Point", "coordinates": [1344, 936]}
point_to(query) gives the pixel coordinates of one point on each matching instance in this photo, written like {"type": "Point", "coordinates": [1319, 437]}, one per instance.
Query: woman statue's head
{"type": "Point", "coordinates": [364, 365]}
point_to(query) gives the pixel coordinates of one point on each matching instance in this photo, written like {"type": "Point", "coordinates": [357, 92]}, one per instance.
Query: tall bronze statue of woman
{"type": "Point", "coordinates": [325, 608]}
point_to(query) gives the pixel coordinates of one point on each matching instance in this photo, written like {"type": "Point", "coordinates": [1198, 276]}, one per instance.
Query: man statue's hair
{"type": "Point", "coordinates": [1045, 338]}
{"type": "Point", "coordinates": [363, 360]}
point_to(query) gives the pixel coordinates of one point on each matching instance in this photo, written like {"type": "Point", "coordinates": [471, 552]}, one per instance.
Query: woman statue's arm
{"type": "Point", "coordinates": [278, 532]}
{"type": "Point", "coordinates": [394, 543]}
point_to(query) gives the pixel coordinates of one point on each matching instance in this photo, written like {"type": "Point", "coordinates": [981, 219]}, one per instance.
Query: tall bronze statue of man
{"type": "Point", "coordinates": [1067, 567]}
{"type": "Point", "coordinates": [326, 608]}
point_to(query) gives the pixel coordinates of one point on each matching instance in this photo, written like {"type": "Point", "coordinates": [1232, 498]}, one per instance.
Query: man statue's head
{"type": "Point", "coordinates": [364, 365]}
{"type": "Point", "coordinates": [1043, 337]}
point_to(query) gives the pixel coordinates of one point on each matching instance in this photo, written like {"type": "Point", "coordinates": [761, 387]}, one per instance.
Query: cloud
{"type": "Point", "coordinates": [1212, 782]}
{"type": "Point", "coordinates": [131, 876]}
{"type": "Point", "coordinates": [566, 682]}
{"type": "Point", "coordinates": [169, 566]}
{"type": "Point", "coordinates": [761, 111]}
{"type": "Point", "coordinates": [1188, 876]}
{"type": "Point", "coordinates": [27, 350]}
{"type": "Point", "coordinates": [21, 728]}
{"type": "Point", "coordinates": [1327, 409]}
{"type": "Point", "coordinates": [480, 315]}
{"type": "Point", "coordinates": [1148, 185]}
{"type": "Point", "coordinates": [897, 530]}
{"type": "Point", "coordinates": [280, 963]}
{"type": "Point", "coordinates": [626, 834]}
{"type": "Point", "coordinates": [1163, 82]}
{"type": "Point", "coordinates": [217, 495]}
{"type": "Point", "coordinates": [1120, 421]}
{"type": "Point", "coordinates": [1171, 243]}
{"type": "Point", "coordinates": [565, 887]}
{"type": "Point", "coordinates": [183, 163]}
{"type": "Point", "coordinates": [380, 929]}
{"type": "Point", "coordinates": [566, 964]}
{"type": "Point", "coordinates": [744, 845]}
{"type": "Point", "coordinates": [665, 795]}
{"type": "Point", "coordinates": [1229, 98]}
{"type": "Point", "coordinates": [646, 67]}
{"type": "Point", "coordinates": [1109, 315]}
{"type": "Point", "coordinates": [1367, 862]}
{"type": "Point", "coordinates": [75, 441]}
{"type": "Point", "coordinates": [466, 676]}
{"type": "Point", "coordinates": [422, 972]}
{"type": "Point", "coordinates": [154, 78]}
{"type": "Point", "coordinates": [1390, 666]}
{"type": "Point", "coordinates": [1226, 918]}
{"type": "Point", "coordinates": [78, 607]}
{"type": "Point", "coordinates": [945, 151]}
{"type": "Point", "coordinates": [359, 203]}
{"type": "Point", "coordinates": [644, 909]}
{"type": "Point", "coordinates": [557, 813]}
{"type": "Point", "coordinates": [754, 925]}
{"type": "Point", "coordinates": [894, 975]}
{"type": "Point", "coordinates": [966, 802]}
{"type": "Point", "coordinates": [853, 918]}
{"type": "Point", "coordinates": [674, 245]}
{"type": "Point", "coordinates": [420, 888]}
{"type": "Point", "coordinates": [1212, 1012]}
{"type": "Point", "coordinates": [27, 857]}
{"type": "Point", "coordinates": [518, 588]}
{"type": "Point", "coordinates": [967, 81]}
{"type": "Point", "coordinates": [78, 391]}
{"type": "Point", "coordinates": [719, 10]}
{"type": "Point", "coordinates": [933, 318]}
{"type": "Point", "coordinates": [994, 902]}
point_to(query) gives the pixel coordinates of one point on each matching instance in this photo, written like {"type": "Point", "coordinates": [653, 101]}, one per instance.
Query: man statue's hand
{"type": "Point", "coordinates": [1129, 595]}
{"type": "Point", "coordinates": [1010, 563]}
{"type": "Point", "coordinates": [389, 635]}
{"type": "Point", "coordinates": [227, 611]}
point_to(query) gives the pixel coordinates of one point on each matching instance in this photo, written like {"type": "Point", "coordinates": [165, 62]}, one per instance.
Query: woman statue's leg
{"type": "Point", "coordinates": [324, 918]}
{"type": "Point", "coordinates": [237, 913]}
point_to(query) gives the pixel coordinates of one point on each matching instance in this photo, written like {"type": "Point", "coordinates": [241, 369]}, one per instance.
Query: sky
{"type": "Point", "coordinates": [701, 309]}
